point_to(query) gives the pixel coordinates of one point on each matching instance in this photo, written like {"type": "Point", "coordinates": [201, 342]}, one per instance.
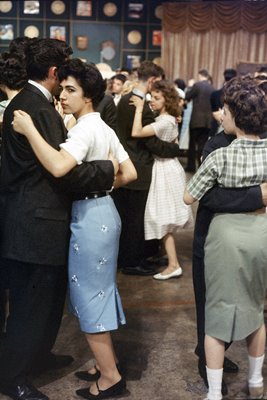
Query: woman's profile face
{"type": "Point", "coordinates": [228, 122]}
{"type": "Point", "coordinates": [157, 102]}
{"type": "Point", "coordinates": [71, 97]}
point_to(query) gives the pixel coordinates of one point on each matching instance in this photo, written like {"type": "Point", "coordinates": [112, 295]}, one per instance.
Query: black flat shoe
{"type": "Point", "coordinates": [117, 390]}
{"type": "Point", "coordinates": [86, 376]}
{"type": "Point", "coordinates": [229, 366]}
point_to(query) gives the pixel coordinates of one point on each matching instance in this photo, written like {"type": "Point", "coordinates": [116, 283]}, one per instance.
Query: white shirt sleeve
{"type": "Point", "coordinates": [77, 143]}
{"type": "Point", "coordinates": [117, 148]}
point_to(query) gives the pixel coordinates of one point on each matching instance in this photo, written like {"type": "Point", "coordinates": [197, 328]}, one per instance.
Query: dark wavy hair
{"type": "Point", "coordinates": [88, 77]}
{"type": "Point", "coordinates": [12, 71]}
{"type": "Point", "coordinates": [42, 54]}
{"type": "Point", "coordinates": [247, 103]}
{"type": "Point", "coordinates": [170, 95]}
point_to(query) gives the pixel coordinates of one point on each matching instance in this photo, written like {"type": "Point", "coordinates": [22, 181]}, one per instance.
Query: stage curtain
{"type": "Point", "coordinates": [211, 35]}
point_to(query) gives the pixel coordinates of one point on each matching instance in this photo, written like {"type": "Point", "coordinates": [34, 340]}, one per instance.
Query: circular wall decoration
{"type": "Point", "coordinates": [31, 31]}
{"type": "Point", "coordinates": [159, 12]}
{"type": "Point", "coordinates": [157, 61]}
{"type": "Point", "coordinates": [134, 37]}
{"type": "Point", "coordinates": [110, 9]}
{"type": "Point", "coordinates": [58, 7]}
{"type": "Point", "coordinates": [5, 6]}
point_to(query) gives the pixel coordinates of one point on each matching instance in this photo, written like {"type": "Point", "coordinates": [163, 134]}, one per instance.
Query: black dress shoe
{"type": "Point", "coordinates": [138, 270]}
{"type": "Point", "coordinates": [229, 366]}
{"type": "Point", "coordinates": [117, 390]}
{"type": "Point", "coordinates": [203, 373]}
{"type": "Point", "coordinates": [23, 392]}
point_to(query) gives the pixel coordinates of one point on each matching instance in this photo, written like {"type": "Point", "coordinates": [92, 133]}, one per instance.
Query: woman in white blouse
{"type": "Point", "coordinates": [95, 225]}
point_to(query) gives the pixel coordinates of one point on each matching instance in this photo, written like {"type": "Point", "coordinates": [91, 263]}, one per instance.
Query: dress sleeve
{"type": "Point", "coordinates": [158, 127]}
{"type": "Point", "coordinates": [204, 179]}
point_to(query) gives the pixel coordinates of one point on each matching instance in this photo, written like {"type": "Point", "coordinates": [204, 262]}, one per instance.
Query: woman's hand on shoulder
{"type": "Point", "coordinates": [137, 102]}
{"type": "Point", "coordinates": [22, 122]}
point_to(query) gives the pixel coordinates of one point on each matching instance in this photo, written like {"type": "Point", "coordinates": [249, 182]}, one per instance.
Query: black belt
{"type": "Point", "coordinates": [93, 195]}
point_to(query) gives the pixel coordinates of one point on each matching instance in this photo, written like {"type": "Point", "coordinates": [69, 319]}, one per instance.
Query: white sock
{"type": "Point", "coordinates": [255, 364]}
{"type": "Point", "coordinates": [215, 383]}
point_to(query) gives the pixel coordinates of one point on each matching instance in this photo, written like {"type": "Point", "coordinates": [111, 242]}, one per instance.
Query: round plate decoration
{"type": "Point", "coordinates": [5, 6]}
{"type": "Point", "coordinates": [159, 12]}
{"type": "Point", "coordinates": [58, 7]}
{"type": "Point", "coordinates": [134, 37]}
{"type": "Point", "coordinates": [157, 60]}
{"type": "Point", "coordinates": [31, 31]}
{"type": "Point", "coordinates": [110, 9]}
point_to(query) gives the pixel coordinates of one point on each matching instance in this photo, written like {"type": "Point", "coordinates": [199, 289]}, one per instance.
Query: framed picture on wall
{"type": "Point", "coordinates": [82, 42]}
{"type": "Point", "coordinates": [31, 7]}
{"type": "Point", "coordinates": [6, 32]}
{"type": "Point", "coordinates": [135, 10]}
{"type": "Point", "coordinates": [156, 38]}
{"type": "Point", "coordinates": [57, 32]}
{"type": "Point", "coordinates": [84, 8]}
{"type": "Point", "coordinates": [133, 61]}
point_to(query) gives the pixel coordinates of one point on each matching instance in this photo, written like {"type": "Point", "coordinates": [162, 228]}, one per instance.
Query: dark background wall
{"type": "Point", "coordinates": [114, 32]}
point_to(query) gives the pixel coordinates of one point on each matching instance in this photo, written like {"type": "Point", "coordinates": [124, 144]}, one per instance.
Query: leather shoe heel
{"type": "Point", "coordinates": [117, 390]}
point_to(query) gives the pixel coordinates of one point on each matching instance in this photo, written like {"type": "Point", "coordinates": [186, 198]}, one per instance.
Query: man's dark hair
{"type": "Point", "coordinates": [204, 73]}
{"type": "Point", "coordinates": [88, 77]}
{"type": "Point", "coordinates": [120, 77]}
{"type": "Point", "coordinates": [12, 71]}
{"type": "Point", "coordinates": [148, 69]}
{"type": "Point", "coordinates": [42, 54]}
{"type": "Point", "coordinates": [262, 70]}
{"type": "Point", "coordinates": [247, 103]}
{"type": "Point", "coordinates": [180, 83]}
{"type": "Point", "coordinates": [229, 74]}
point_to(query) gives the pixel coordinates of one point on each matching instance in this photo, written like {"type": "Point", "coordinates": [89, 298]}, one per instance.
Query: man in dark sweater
{"type": "Point", "coordinates": [131, 199]}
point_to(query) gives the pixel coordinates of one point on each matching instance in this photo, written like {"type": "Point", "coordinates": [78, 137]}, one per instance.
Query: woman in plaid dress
{"type": "Point", "coordinates": [235, 249]}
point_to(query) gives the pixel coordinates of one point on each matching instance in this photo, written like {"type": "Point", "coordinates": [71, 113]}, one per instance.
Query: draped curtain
{"type": "Point", "coordinates": [212, 35]}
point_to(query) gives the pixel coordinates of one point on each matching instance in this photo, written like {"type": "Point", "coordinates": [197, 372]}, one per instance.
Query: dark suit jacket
{"type": "Point", "coordinates": [141, 150]}
{"type": "Point", "coordinates": [200, 93]}
{"type": "Point", "coordinates": [107, 110]}
{"type": "Point", "coordinates": [35, 207]}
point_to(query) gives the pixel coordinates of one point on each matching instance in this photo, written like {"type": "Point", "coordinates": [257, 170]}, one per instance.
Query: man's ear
{"type": "Point", "coordinates": [52, 73]}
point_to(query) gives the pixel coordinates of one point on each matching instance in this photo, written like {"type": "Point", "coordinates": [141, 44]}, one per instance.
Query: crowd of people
{"type": "Point", "coordinates": [90, 181]}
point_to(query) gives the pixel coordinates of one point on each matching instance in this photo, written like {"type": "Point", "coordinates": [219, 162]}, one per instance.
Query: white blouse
{"type": "Point", "coordinates": [92, 139]}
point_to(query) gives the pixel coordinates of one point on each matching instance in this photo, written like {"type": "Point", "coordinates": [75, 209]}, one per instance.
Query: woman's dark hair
{"type": "Point", "coordinates": [247, 103]}
{"type": "Point", "coordinates": [12, 71]}
{"type": "Point", "coordinates": [170, 95]}
{"type": "Point", "coordinates": [88, 77]}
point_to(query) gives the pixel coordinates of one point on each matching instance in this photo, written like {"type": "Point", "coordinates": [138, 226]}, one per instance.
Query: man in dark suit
{"type": "Point", "coordinates": [34, 224]}
{"type": "Point", "coordinates": [131, 199]}
{"type": "Point", "coordinates": [201, 117]}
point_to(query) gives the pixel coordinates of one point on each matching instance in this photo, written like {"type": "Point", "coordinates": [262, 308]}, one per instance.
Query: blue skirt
{"type": "Point", "coordinates": [93, 252]}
